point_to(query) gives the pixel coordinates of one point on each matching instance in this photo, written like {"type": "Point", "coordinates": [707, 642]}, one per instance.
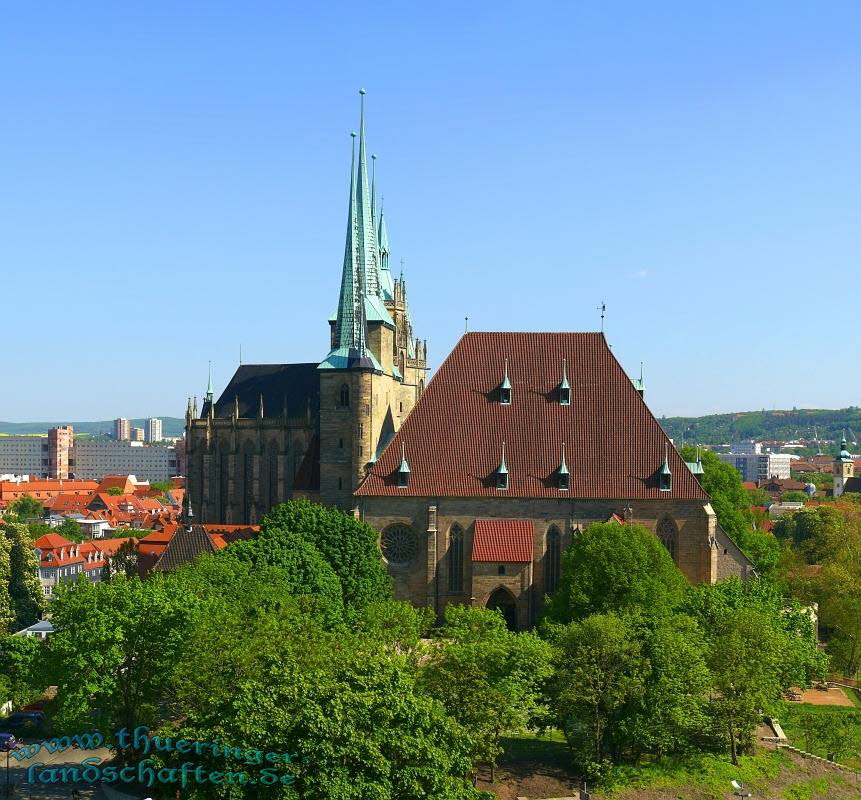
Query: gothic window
{"type": "Point", "coordinates": [455, 559]}
{"type": "Point", "coordinates": [345, 396]}
{"type": "Point", "coordinates": [402, 365]}
{"type": "Point", "coordinates": [668, 533]}
{"type": "Point", "coordinates": [500, 570]}
{"type": "Point", "coordinates": [399, 545]}
{"type": "Point", "coordinates": [552, 560]}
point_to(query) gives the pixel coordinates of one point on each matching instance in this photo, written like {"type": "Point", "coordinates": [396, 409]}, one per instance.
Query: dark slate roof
{"type": "Point", "coordinates": [614, 446]}
{"type": "Point", "coordinates": [852, 484]}
{"type": "Point", "coordinates": [185, 546]}
{"type": "Point", "coordinates": [293, 384]}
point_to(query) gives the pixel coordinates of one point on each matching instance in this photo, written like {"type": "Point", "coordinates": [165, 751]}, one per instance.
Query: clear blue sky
{"type": "Point", "coordinates": [174, 182]}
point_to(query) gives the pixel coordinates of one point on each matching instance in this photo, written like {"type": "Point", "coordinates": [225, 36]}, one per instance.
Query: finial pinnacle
{"type": "Point", "coordinates": [361, 91]}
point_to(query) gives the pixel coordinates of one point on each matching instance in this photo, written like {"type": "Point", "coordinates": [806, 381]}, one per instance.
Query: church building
{"type": "Point", "coordinates": [477, 483]}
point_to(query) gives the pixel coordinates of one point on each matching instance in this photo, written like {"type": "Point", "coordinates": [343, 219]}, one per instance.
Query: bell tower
{"type": "Point", "coordinates": [844, 468]}
{"type": "Point", "coordinates": [375, 369]}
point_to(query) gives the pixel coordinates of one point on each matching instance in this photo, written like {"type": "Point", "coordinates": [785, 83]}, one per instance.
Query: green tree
{"type": "Point", "coordinates": [488, 678]}
{"type": "Point", "coordinates": [794, 496]}
{"type": "Point", "coordinates": [70, 530]}
{"type": "Point", "coordinates": [599, 669]}
{"type": "Point", "coordinates": [161, 486]}
{"type": "Point", "coordinates": [744, 659]}
{"type": "Point", "coordinates": [25, 589]}
{"type": "Point", "coordinates": [395, 624]}
{"type": "Point", "coordinates": [615, 568]}
{"type": "Point", "coordinates": [7, 614]}
{"type": "Point", "coordinates": [349, 711]}
{"type": "Point", "coordinates": [25, 507]}
{"type": "Point", "coordinates": [351, 547]}
{"type": "Point", "coordinates": [300, 563]}
{"type": "Point", "coordinates": [114, 648]}
{"type": "Point", "coordinates": [22, 668]}
{"type": "Point", "coordinates": [817, 533]}
{"type": "Point", "coordinates": [114, 491]}
{"type": "Point", "coordinates": [123, 562]}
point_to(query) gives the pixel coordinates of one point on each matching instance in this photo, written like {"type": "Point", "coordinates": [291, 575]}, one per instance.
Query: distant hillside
{"type": "Point", "coordinates": [795, 424]}
{"type": "Point", "coordinates": [171, 426]}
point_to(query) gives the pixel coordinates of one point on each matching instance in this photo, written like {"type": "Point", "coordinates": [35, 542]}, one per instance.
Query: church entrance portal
{"type": "Point", "coordinates": [502, 600]}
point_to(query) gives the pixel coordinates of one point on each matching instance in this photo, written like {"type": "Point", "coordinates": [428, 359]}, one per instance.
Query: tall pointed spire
{"type": "Point", "coordinates": [383, 241]}
{"type": "Point", "coordinates": [374, 189]}
{"type": "Point", "coordinates": [351, 322]}
{"type": "Point", "coordinates": [368, 255]}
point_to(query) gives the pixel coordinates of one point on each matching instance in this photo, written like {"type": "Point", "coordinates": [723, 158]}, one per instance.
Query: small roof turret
{"type": "Point", "coordinates": [844, 452]}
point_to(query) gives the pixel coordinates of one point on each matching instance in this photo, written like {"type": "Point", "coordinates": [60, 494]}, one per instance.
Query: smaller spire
{"type": "Point", "coordinates": [665, 469]}
{"type": "Point", "coordinates": [502, 472]}
{"type": "Point", "coordinates": [564, 387]}
{"type": "Point", "coordinates": [260, 407]}
{"type": "Point", "coordinates": [665, 477]}
{"type": "Point", "coordinates": [187, 513]}
{"type": "Point", "coordinates": [563, 467]}
{"type": "Point", "coordinates": [403, 469]}
{"type": "Point", "coordinates": [236, 406]}
{"type": "Point", "coordinates": [505, 387]}
{"type": "Point", "coordinates": [562, 475]}
{"type": "Point", "coordinates": [209, 384]}
{"type": "Point", "coordinates": [194, 408]}
{"type": "Point", "coordinates": [374, 187]}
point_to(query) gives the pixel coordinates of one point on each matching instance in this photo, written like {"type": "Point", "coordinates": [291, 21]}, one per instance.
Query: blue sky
{"type": "Point", "coordinates": [175, 183]}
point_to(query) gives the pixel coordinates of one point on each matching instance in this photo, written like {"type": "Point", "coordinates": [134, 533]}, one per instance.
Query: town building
{"type": "Point", "coordinates": [61, 560]}
{"type": "Point", "coordinates": [153, 430]}
{"type": "Point", "coordinates": [93, 459]}
{"type": "Point", "coordinates": [138, 434]}
{"type": "Point", "coordinates": [477, 482]}
{"type": "Point", "coordinates": [122, 429]}
{"type": "Point", "coordinates": [845, 479]}
{"type": "Point", "coordinates": [759, 466]}
{"type": "Point", "coordinates": [24, 455]}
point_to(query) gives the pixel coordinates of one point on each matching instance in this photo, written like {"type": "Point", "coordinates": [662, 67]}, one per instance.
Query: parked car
{"type": "Point", "coordinates": [21, 718]}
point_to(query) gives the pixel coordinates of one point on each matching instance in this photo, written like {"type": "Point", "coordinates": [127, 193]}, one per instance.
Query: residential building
{"type": "Point", "coordinates": [45, 490]}
{"type": "Point", "coordinates": [153, 430]}
{"type": "Point", "coordinates": [749, 447]}
{"type": "Point", "coordinates": [759, 466]}
{"type": "Point", "coordinates": [137, 434]}
{"type": "Point", "coordinates": [122, 429]}
{"type": "Point", "coordinates": [94, 459]}
{"type": "Point", "coordinates": [61, 560]}
{"type": "Point", "coordinates": [24, 455]}
{"type": "Point", "coordinates": [60, 441]}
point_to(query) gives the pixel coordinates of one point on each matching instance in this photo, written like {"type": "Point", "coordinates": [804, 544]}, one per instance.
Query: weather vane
{"type": "Point", "coordinates": [602, 308]}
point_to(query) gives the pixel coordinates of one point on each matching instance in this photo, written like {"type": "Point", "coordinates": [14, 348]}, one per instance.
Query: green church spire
{"type": "Point", "coordinates": [385, 273]}
{"type": "Point", "coordinates": [350, 348]}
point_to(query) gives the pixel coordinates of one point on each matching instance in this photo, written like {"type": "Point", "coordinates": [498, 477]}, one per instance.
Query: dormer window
{"type": "Point", "coordinates": [564, 387]}
{"type": "Point", "coordinates": [505, 388]}
{"type": "Point", "coordinates": [502, 472]}
{"type": "Point", "coordinates": [562, 474]}
{"type": "Point", "coordinates": [563, 481]}
{"type": "Point", "coordinates": [403, 470]}
{"type": "Point", "coordinates": [665, 477]}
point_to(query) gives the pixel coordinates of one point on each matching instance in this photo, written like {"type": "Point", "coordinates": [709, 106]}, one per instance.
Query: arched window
{"type": "Point", "coordinates": [500, 570]}
{"type": "Point", "coordinates": [455, 559]}
{"type": "Point", "coordinates": [344, 401]}
{"type": "Point", "coordinates": [668, 533]}
{"type": "Point", "coordinates": [552, 560]}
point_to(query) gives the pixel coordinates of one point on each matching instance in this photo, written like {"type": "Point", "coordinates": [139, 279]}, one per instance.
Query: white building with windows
{"type": "Point", "coordinates": [92, 460]}
{"type": "Point", "coordinates": [759, 466]}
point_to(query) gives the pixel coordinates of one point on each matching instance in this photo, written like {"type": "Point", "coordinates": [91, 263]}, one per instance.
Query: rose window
{"type": "Point", "coordinates": [399, 545]}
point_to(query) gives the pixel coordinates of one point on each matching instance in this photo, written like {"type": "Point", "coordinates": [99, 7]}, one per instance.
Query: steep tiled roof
{"type": "Point", "coordinates": [49, 541]}
{"type": "Point", "coordinates": [185, 546]}
{"type": "Point", "coordinates": [453, 437]}
{"type": "Point", "coordinates": [503, 540]}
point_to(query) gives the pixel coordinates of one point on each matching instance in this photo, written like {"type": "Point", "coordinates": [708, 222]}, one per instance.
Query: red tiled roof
{"type": "Point", "coordinates": [453, 437]}
{"type": "Point", "coordinates": [503, 540]}
{"type": "Point", "coordinates": [49, 541]}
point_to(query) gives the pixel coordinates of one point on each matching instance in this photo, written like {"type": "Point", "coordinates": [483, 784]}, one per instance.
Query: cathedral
{"type": "Point", "coordinates": [476, 484]}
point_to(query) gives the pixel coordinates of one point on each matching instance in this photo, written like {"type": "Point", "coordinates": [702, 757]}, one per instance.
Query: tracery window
{"type": "Point", "coordinates": [668, 533]}
{"type": "Point", "coordinates": [552, 560]}
{"type": "Point", "coordinates": [399, 544]}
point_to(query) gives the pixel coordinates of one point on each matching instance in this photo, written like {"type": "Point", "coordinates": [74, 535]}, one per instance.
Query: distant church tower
{"type": "Point", "coordinates": [375, 370]}
{"type": "Point", "coordinates": [844, 468]}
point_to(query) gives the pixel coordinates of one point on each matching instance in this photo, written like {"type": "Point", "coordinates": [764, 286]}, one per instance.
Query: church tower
{"type": "Point", "coordinates": [844, 468]}
{"type": "Point", "coordinates": [375, 369]}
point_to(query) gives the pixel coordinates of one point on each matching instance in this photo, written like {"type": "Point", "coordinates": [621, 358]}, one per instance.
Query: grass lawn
{"type": "Point", "coordinates": [790, 720]}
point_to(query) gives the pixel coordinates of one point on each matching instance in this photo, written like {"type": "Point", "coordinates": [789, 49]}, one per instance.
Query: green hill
{"type": "Point", "coordinates": [795, 424]}
{"type": "Point", "coordinates": [171, 426]}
